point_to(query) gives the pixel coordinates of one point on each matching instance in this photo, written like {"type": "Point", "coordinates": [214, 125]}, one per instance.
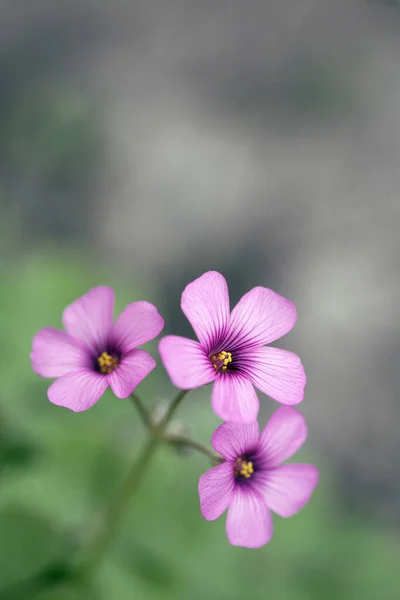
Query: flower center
{"type": "Point", "coordinates": [243, 468]}
{"type": "Point", "coordinates": [107, 363]}
{"type": "Point", "coordinates": [221, 361]}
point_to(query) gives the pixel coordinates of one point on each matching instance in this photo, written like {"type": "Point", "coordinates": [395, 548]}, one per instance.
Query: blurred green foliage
{"type": "Point", "coordinates": [58, 470]}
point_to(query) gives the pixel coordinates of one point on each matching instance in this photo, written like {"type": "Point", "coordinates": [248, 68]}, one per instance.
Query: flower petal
{"type": "Point", "coordinates": [288, 488]}
{"type": "Point", "coordinates": [276, 372]}
{"type": "Point", "coordinates": [232, 440]}
{"type": "Point", "coordinates": [90, 317]}
{"type": "Point", "coordinates": [55, 353]}
{"type": "Point", "coordinates": [186, 363]}
{"type": "Point", "coordinates": [132, 369]}
{"type": "Point", "coordinates": [249, 521]}
{"type": "Point", "coordinates": [215, 490]}
{"type": "Point", "coordinates": [79, 390]}
{"type": "Point", "coordinates": [260, 317]}
{"type": "Point", "coordinates": [137, 324]}
{"type": "Point", "coordinates": [205, 302]}
{"type": "Point", "coordinates": [234, 398]}
{"type": "Point", "coordinates": [283, 435]}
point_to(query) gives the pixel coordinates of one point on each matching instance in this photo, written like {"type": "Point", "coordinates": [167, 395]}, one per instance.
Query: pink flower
{"type": "Point", "coordinates": [251, 481]}
{"type": "Point", "coordinates": [94, 353]}
{"type": "Point", "coordinates": [231, 351]}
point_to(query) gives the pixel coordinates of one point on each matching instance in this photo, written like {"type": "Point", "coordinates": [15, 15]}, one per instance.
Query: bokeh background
{"type": "Point", "coordinates": [143, 143]}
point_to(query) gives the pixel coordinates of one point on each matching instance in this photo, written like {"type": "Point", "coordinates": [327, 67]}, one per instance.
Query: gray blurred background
{"type": "Point", "coordinates": [157, 140]}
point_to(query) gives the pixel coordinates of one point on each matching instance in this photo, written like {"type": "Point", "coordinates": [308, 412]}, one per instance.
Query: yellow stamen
{"type": "Point", "coordinates": [221, 361]}
{"type": "Point", "coordinates": [107, 363]}
{"type": "Point", "coordinates": [243, 468]}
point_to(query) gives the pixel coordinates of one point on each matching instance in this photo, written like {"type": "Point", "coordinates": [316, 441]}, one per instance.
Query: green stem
{"type": "Point", "coordinates": [178, 440]}
{"type": "Point", "coordinates": [175, 440]}
{"type": "Point", "coordinates": [142, 410]}
{"type": "Point", "coordinates": [171, 409]}
{"type": "Point", "coordinates": [118, 508]}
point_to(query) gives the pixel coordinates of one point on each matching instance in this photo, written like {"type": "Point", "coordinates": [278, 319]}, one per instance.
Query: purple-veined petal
{"type": "Point", "coordinates": [90, 317]}
{"type": "Point", "coordinates": [79, 390]}
{"type": "Point", "coordinates": [132, 369]}
{"type": "Point", "coordinates": [249, 521]}
{"type": "Point", "coordinates": [261, 316]}
{"type": "Point", "coordinates": [286, 489]}
{"type": "Point", "coordinates": [55, 353]}
{"type": "Point", "coordinates": [186, 363]}
{"type": "Point", "coordinates": [234, 398]}
{"type": "Point", "coordinates": [232, 440]}
{"type": "Point", "coordinates": [283, 435]}
{"type": "Point", "coordinates": [276, 372]}
{"type": "Point", "coordinates": [205, 302]}
{"type": "Point", "coordinates": [137, 324]}
{"type": "Point", "coordinates": [215, 490]}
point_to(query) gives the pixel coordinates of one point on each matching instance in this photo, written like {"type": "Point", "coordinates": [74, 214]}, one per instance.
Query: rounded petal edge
{"type": "Point", "coordinates": [133, 368]}
{"type": "Point", "coordinates": [89, 318]}
{"type": "Point", "coordinates": [232, 440]}
{"type": "Point", "coordinates": [277, 373]}
{"type": "Point", "coordinates": [78, 391]}
{"type": "Point", "coordinates": [249, 522]}
{"type": "Point", "coordinates": [234, 398]}
{"type": "Point", "coordinates": [289, 487]}
{"type": "Point", "coordinates": [260, 317]}
{"type": "Point", "coordinates": [283, 435]}
{"type": "Point", "coordinates": [186, 363]}
{"type": "Point", "coordinates": [215, 491]}
{"type": "Point", "coordinates": [56, 353]}
{"type": "Point", "coordinates": [137, 324]}
{"type": "Point", "coordinates": [205, 303]}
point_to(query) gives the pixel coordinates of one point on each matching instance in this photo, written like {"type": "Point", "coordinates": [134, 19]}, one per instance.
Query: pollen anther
{"type": "Point", "coordinates": [221, 361]}
{"type": "Point", "coordinates": [107, 363]}
{"type": "Point", "coordinates": [243, 468]}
